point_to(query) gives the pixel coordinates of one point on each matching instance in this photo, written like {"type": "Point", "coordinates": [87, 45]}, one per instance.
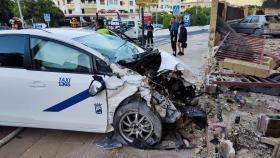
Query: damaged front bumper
{"type": "Point", "coordinates": [165, 83]}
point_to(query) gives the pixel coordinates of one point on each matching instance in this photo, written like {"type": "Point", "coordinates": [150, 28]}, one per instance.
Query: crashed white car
{"type": "Point", "coordinates": [85, 81]}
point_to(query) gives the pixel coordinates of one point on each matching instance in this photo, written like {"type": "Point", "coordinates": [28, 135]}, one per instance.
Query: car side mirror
{"type": "Point", "coordinates": [96, 86]}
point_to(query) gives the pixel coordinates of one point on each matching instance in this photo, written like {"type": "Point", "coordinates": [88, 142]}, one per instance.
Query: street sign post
{"type": "Point", "coordinates": [187, 20]}
{"type": "Point", "coordinates": [142, 4]}
{"type": "Point", "coordinates": [47, 18]}
{"type": "Point", "coordinates": [176, 9]}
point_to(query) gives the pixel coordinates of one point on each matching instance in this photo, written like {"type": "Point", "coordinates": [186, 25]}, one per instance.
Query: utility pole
{"type": "Point", "coordinates": [196, 7]}
{"type": "Point", "coordinates": [157, 14]}
{"type": "Point", "coordinates": [20, 12]}
{"type": "Point", "coordinates": [143, 29]}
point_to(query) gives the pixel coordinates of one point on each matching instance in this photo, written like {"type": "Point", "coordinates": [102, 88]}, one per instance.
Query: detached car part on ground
{"type": "Point", "coordinates": [139, 89]}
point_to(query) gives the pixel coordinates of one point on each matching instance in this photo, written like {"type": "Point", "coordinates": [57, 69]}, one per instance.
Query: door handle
{"type": "Point", "coordinates": [37, 84]}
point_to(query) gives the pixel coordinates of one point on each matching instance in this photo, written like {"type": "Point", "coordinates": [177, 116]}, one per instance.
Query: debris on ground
{"type": "Point", "coordinates": [242, 101]}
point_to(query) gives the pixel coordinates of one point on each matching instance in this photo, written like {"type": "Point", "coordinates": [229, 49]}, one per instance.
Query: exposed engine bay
{"type": "Point", "coordinates": [172, 97]}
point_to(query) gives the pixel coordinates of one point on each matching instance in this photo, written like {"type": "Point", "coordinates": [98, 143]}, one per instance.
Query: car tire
{"type": "Point", "coordinates": [148, 128]}
{"type": "Point", "coordinates": [258, 32]}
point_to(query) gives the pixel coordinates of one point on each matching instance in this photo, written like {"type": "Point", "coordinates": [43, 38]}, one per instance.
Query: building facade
{"type": "Point", "coordinates": [87, 9]}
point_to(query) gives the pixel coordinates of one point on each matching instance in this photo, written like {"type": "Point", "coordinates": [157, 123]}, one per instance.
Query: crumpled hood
{"type": "Point", "coordinates": [155, 62]}
{"type": "Point", "coordinates": [169, 62]}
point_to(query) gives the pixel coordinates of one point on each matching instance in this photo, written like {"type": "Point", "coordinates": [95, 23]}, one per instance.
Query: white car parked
{"type": "Point", "coordinates": [85, 81]}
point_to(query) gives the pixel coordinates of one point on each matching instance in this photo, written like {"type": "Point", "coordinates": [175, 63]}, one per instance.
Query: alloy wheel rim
{"type": "Point", "coordinates": [133, 125]}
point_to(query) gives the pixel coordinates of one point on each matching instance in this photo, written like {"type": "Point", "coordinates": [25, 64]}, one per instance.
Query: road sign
{"type": "Point", "coordinates": [176, 9]}
{"type": "Point", "coordinates": [47, 17]}
{"type": "Point", "coordinates": [187, 20]}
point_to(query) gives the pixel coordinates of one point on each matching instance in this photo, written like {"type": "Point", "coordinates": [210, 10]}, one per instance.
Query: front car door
{"type": "Point", "coordinates": [59, 82]}
{"type": "Point", "coordinates": [242, 27]}
{"type": "Point", "coordinates": [14, 88]}
{"type": "Point", "coordinates": [253, 24]}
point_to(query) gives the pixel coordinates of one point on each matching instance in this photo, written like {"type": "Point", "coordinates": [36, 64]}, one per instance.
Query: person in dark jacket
{"type": "Point", "coordinates": [173, 28]}
{"type": "Point", "coordinates": [150, 30]}
{"type": "Point", "coordinates": [182, 41]}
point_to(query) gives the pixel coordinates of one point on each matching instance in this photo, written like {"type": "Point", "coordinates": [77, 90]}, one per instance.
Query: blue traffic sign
{"type": "Point", "coordinates": [47, 17]}
{"type": "Point", "coordinates": [176, 9]}
{"type": "Point", "coordinates": [187, 20]}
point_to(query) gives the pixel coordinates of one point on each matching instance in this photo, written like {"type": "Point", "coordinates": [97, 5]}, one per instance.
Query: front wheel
{"type": "Point", "coordinates": [137, 121]}
{"type": "Point", "coordinates": [258, 32]}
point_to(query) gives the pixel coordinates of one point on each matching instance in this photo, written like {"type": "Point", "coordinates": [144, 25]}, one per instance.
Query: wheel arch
{"type": "Point", "coordinates": [133, 98]}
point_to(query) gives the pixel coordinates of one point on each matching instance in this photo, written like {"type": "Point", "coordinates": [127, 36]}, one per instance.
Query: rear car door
{"type": "Point", "coordinates": [60, 77]}
{"type": "Point", "coordinates": [14, 90]}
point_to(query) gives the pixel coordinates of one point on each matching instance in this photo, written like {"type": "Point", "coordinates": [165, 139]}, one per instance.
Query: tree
{"type": "Point", "coordinates": [6, 11]}
{"type": "Point", "coordinates": [33, 11]}
{"type": "Point", "coordinates": [201, 18]}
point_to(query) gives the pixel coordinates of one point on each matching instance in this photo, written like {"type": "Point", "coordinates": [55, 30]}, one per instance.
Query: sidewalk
{"type": "Point", "coordinates": [196, 52]}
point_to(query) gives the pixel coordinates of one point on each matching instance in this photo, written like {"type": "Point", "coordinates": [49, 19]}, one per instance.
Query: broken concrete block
{"type": "Point", "coordinates": [226, 64]}
{"type": "Point", "coordinates": [276, 151]}
{"type": "Point", "coordinates": [268, 61]}
{"type": "Point", "coordinates": [247, 68]}
{"type": "Point", "coordinates": [270, 140]}
{"type": "Point", "coordinates": [262, 71]}
{"type": "Point", "coordinates": [269, 125]}
{"type": "Point", "coordinates": [226, 149]}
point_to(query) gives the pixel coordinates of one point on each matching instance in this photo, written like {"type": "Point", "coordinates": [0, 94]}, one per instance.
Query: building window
{"type": "Point", "coordinates": [131, 10]}
{"type": "Point", "coordinates": [89, 1]}
{"type": "Point", "coordinates": [58, 3]}
{"type": "Point", "coordinates": [83, 11]}
{"type": "Point", "coordinates": [131, 3]}
{"type": "Point", "coordinates": [122, 3]}
{"type": "Point", "coordinates": [102, 2]}
{"type": "Point", "coordinates": [82, 1]}
{"type": "Point", "coordinates": [63, 2]}
{"type": "Point", "coordinates": [69, 1]}
{"type": "Point", "coordinates": [64, 11]}
{"type": "Point", "coordinates": [70, 11]}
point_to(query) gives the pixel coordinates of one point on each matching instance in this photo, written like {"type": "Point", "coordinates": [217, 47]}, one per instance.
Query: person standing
{"type": "Point", "coordinates": [183, 36]}
{"type": "Point", "coordinates": [150, 30]}
{"type": "Point", "coordinates": [174, 25]}
{"type": "Point", "coordinates": [100, 27]}
{"type": "Point", "coordinates": [16, 23]}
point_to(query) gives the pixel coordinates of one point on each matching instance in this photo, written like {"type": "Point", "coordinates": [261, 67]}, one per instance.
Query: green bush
{"type": "Point", "coordinates": [201, 18]}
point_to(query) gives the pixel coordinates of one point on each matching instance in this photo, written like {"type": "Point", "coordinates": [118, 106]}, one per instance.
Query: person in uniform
{"type": "Point", "coordinates": [100, 27]}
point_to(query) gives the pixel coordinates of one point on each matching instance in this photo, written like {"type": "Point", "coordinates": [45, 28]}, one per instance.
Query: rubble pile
{"type": "Point", "coordinates": [243, 86]}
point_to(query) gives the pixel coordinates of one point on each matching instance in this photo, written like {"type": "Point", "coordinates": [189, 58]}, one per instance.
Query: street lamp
{"type": "Point", "coordinates": [196, 7]}
{"type": "Point", "coordinates": [20, 12]}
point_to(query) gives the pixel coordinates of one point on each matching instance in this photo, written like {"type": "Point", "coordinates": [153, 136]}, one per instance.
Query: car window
{"type": "Point", "coordinates": [246, 20]}
{"type": "Point", "coordinates": [12, 51]}
{"type": "Point", "coordinates": [114, 48]}
{"type": "Point", "coordinates": [52, 56]}
{"type": "Point", "coordinates": [255, 19]}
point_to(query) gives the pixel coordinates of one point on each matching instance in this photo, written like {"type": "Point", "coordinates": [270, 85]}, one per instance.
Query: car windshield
{"type": "Point", "coordinates": [112, 47]}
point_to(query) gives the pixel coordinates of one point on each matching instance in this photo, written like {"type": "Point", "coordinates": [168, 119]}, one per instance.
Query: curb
{"type": "Point", "coordinates": [188, 32]}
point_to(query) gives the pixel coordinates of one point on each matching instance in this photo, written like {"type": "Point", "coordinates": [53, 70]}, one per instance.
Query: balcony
{"type": "Point", "coordinates": [70, 6]}
{"type": "Point", "coordinates": [88, 5]}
